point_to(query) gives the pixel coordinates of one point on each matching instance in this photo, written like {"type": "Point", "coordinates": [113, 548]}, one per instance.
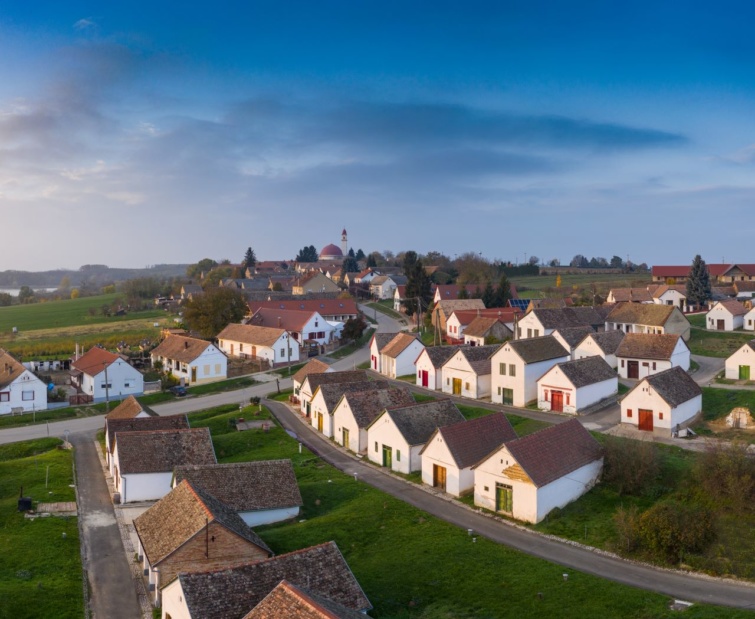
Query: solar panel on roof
{"type": "Point", "coordinates": [521, 304]}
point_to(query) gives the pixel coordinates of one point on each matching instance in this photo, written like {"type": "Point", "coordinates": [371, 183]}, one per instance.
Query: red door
{"type": "Point", "coordinates": [425, 379]}
{"type": "Point", "coordinates": [557, 401]}
{"type": "Point", "coordinates": [374, 362]}
{"type": "Point", "coordinates": [646, 420]}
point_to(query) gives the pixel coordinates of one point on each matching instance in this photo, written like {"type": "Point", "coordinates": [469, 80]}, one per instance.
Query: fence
{"type": "Point", "coordinates": [152, 386]}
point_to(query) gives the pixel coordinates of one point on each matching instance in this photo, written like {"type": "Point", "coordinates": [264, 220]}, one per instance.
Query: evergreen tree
{"type": "Point", "coordinates": [698, 283]}
{"type": "Point", "coordinates": [488, 294]}
{"type": "Point", "coordinates": [249, 259]}
{"type": "Point", "coordinates": [371, 262]}
{"type": "Point", "coordinates": [502, 292]}
{"type": "Point", "coordinates": [307, 254]}
{"type": "Point", "coordinates": [463, 294]}
{"type": "Point", "coordinates": [418, 284]}
{"type": "Point", "coordinates": [350, 265]}
{"type": "Point", "coordinates": [360, 255]}
{"type": "Point", "coordinates": [351, 253]}
{"type": "Point", "coordinates": [477, 294]}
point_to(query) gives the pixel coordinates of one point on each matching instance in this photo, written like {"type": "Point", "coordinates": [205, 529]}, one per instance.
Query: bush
{"type": "Point", "coordinates": [630, 466]}
{"type": "Point", "coordinates": [627, 522]}
{"type": "Point", "coordinates": [726, 474]}
{"type": "Point", "coordinates": [670, 528]}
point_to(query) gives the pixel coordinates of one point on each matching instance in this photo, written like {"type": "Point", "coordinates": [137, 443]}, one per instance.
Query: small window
{"type": "Point", "coordinates": [529, 333]}
{"type": "Point", "coordinates": [466, 386]}
{"type": "Point", "coordinates": [502, 369]}
{"type": "Point", "coordinates": [629, 413]}
{"type": "Point", "coordinates": [660, 416]}
{"type": "Point", "coordinates": [653, 364]}
{"type": "Point", "coordinates": [126, 384]}
{"type": "Point", "coordinates": [622, 363]}
{"type": "Point", "coordinates": [545, 395]}
{"type": "Point", "coordinates": [486, 489]}
{"type": "Point", "coordinates": [283, 352]}
{"type": "Point", "coordinates": [26, 396]}
{"type": "Point", "coordinates": [4, 396]}
{"type": "Point", "coordinates": [398, 455]}
{"type": "Point", "coordinates": [376, 446]}
{"type": "Point", "coordinates": [448, 381]}
{"type": "Point", "coordinates": [512, 369]}
{"type": "Point", "coordinates": [537, 332]}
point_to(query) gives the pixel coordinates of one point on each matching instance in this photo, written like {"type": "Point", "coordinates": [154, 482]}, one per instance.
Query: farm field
{"type": "Point", "coordinates": [545, 285]}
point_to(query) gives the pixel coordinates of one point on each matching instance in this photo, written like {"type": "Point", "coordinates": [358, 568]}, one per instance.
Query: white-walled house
{"type": "Point", "coordinates": [540, 322]}
{"type": "Point", "coordinates": [748, 320]}
{"type": "Point", "coordinates": [467, 372]}
{"type": "Point", "coordinates": [642, 354]}
{"type": "Point", "coordinates": [429, 366]}
{"type": "Point", "coordinates": [305, 326]}
{"type": "Point", "coordinates": [488, 328]}
{"type": "Point", "coordinates": [378, 341]}
{"type": "Point", "coordinates": [396, 437]}
{"type": "Point", "coordinates": [450, 453]}
{"type": "Point", "coordinates": [313, 366]}
{"type": "Point", "coordinates": [313, 380]}
{"type": "Point", "coordinates": [326, 396]}
{"type": "Point", "coordinates": [20, 389]}
{"type": "Point", "coordinates": [357, 410]}
{"type": "Point", "coordinates": [143, 462]}
{"type": "Point", "coordinates": [603, 344]}
{"type": "Point", "coordinates": [648, 318]}
{"type": "Point", "coordinates": [675, 295]}
{"type": "Point", "coordinates": [138, 423]}
{"type": "Point", "coordinates": [260, 492]}
{"type": "Point", "coordinates": [530, 476]}
{"type": "Point", "coordinates": [573, 386]}
{"type": "Point", "coordinates": [191, 360]}
{"type": "Point", "coordinates": [726, 315]}
{"type": "Point", "coordinates": [104, 375]}
{"type": "Point", "coordinates": [741, 364]}
{"type": "Point", "coordinates": [516, 366]}
{"type": "Point", "coordinates": [663, 402]}
{"type": "Point", "coordinates": [274, 345]}
{"type": "Point", "coordinates": [570, 337]}
{"type": "Point", "coordinates": [398, 356]}
{"type": "Point", "coordinates": [384, 286]}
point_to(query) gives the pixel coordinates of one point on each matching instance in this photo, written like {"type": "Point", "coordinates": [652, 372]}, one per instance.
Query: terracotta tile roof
{"type": "Point", "coordinates": [246, 486]}
{"type": "Point", "coordinates": [536, 349]}
{"type": "Point", "coordinates": [470, 441]}
{"type": "Point", "coordinates": [327, 378]}
{"type": "Point", "coordinates": [674, 385]}
{"type": "Point", "coordinates": [160, 451]}
{"type": "Point", "coordinates": [365, 406]}
{"type": "Point", "coordinates": [230, 593]}
{"type": "Point", "coordinates": [417, 422]}
{"type": "Point", "coordinates": [332, 392]}
{"type": "Point", "coordinates": [481, 326]}
{"type": "Point", "coordinates": [290, 320]}
{"type": "Point", "coordinates": [291, 602]}
{"type": "Point", "coordinates": [93, 361]}
{"type": "Point", "coordinates": [181, 348]}
{"type": "Point", "coordinates": [448, 292]}
{"type": "Point", "coordinates": [647, 346]}
{"type": "Point", "coordinates": [251, 334]}
{"type": "Point", "coordinates": [326, 307]}
{"type": "Point", "coordinates": [479, 357]}
{"type": "Point", "coordinates": [504, 314]}
{"type": "Point", "coordinates": [398, 345]}
{"type": "Point", "coordinates": [143, 424]}
{"type": "Point", "coordinates": [10, 369]}
{"type": "Point", "coordinates": [587, 371]}
{"type": "Point", "coordinates": [746, 286]}
{"type": "Point", "coordinates": [556, 451]}
{"type": "Point", "coordinates": [382, 340]}
{"type": "Point", "coordinates": [180, 515]}
{"type": "Point", "coordinates": [635, 295]}
{"type": "Point", "coordinates": [438, 355]}
{"type": "Point", "coordinates": [659, 291]}
{"type": "Point", "coordinates": [313, 366]}
{"type": "Point", "coordinates": [566, 317]}
{"type": "Point", "coordinates": [574, 335]}
{"type": "Point", "coordinates": [607, 341]}
{"type": "Point", "coordinates": [649, 314]}
{"type": "Point", "coordinates": [128, 409]}
{"type": "Point", "coordinates": [735, 308]}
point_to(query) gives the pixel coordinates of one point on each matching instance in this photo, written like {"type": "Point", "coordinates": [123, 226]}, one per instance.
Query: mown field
{"type": "Point", "coordinates": [545, 285]}
{"type": "Point", "coordinates": [413, 565]}
{"type": "Point", "coordinates": [40, 565]}
{"type": "Point", "coordinates": [714, 343]}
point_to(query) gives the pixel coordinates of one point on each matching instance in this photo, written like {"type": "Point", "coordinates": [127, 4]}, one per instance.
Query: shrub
{"type": "Point", "coordinates": [726, 473]}
{"type": "Point", "coordinates": [627, 522]}
{"type": "Point", "coordinates": [670, 528]}
{"type": "Point", "coordinates": [630, 466]}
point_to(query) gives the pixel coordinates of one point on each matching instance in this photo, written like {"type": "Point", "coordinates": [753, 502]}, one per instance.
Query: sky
{"type": "Point", "coordinates": [143, 133]}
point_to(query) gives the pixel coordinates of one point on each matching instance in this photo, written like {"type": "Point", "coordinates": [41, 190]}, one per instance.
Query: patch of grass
{"type": "Point", "coordinates": [285, 371]}
{"type": "Point", "coordinates": [223, 385]}
{"type": "Point", "coordinates": [345, 351]}
{"type": "Point", "coordinates": [716, 343]}
{"type": "Point", "coordinates": [718, 403]}
{"type": "Point", "coordinates": [40, 569]}
{"type": "Point", "coordinates": [545, 285]}
{"type": "Point", "coordinates": [423, 397]}
{"type": "Point", "coordinates": [623, 389]}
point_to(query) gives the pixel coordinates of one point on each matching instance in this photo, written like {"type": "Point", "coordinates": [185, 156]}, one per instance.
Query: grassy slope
{"type": "Point", "coordinates": [40, 571]}
{"type": "Point", "coordinates": [714, 343]}
{"type": "Point", "coordinates": [546, 284]}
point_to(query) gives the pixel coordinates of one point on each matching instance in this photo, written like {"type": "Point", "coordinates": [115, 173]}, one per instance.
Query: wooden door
{"type": "Point", "coordinates": [319, 422]}
{"type": "Point", "coordinates": [374, 362]}
{"type": "Point", "coordinates": [193, 375]}
{"type": "Point", "coordinates": [345, 437]}
{"type": "Point", "coordinates": [557, 401]}
{"type": "Point", "coordinates": [645, 419]}
{"type": "Point", "coordinates": [425, 378]}
{"type": "Point", "coordinates": [439, 477]}
{"type": "Point", "coordinates": [633, 369]}
{"type": "Point", "coordinates": [504, 498]}
{"type": "Point", "coordinates": [254, 352]}
{"type": "Point", "coordinates": [720, 325]}
{"type": "Point", "coordinates": [744, 372]}
{"type": "Point", "coordinates": [387, 456]}
{"type": "Point", "coordinates": [457, 386]}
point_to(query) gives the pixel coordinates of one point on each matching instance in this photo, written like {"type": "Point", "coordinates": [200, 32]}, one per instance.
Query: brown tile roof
{"type": "Point", "coordinates": [641, 314]}
{"type": "Point", "coordinates": [246, 486]}
{"type": "Point", "coordinates": [10, 369]}
{"type": "Point", "coordinates": [181, 348]}
{"type": "Point", "coordinates": [230, 593]}
{"type": "Point", "coordinates": [735, 308]}
{"type": "Point", "coordinates": [587, 371]}
{"type": "Point", "coordinates": [290, 320]}
{"type": "Point", "coordinates": [129, 409]}
{"type": "Point", "coordinates": [535, 349]}
{"type": "Point", "coordinates": [417, 422]}
{"type": "Point", "coordinates": [556, 451]}
{"type": "Point", "coordinates": [350, 376]}
{"type": "Point", "coordinates": [481, 326]}
{"type": "Point", "coordinates": [332, 392]}
{"type": "Point", "coordinates": [313, 366]}
{"type": "Point", "coordinates": [367, 405]}
{"type": "Point", "coordinates": [93, 361]}
{"type": "Point", "coordinates": [504, 314]}
{"type": "Point", "coordinates": [674, 385]}
{"type": "Point", "coordinates": [291, 602]}
{"type": "Point", "coordinates": [161, 451]}
{"type": "Point", "coordinates": [574, 335]}
{"type": "Point", "coordinates": [398, 345]}
{"type": "Point", "coordinates": [180, 515]}
{"type": "Point", "coordinates": [635, 295]}
{"type": "Point", "coordinates": [745, 286]}
{"type": "Point", "coordinates": [607, 341]}
{"type": "Point", "coordinates": [659, 291]}
{"type": "Point", "coordinates": [382, 340]}
{"type": "Point", "coordinates": [647, 346]}
{"type": "Point", "coordinates": [470, 441]}
{"type": "Point", "coordinates": [326, 307]}
{"type": "Point", "coordinates": [251, 334]}
{"type": "Point", "coordinates": [479, 357]}
{"type": "Point", "coordinates": [438, 355]}
{"type": "Point", "coordinates": [143, 424]}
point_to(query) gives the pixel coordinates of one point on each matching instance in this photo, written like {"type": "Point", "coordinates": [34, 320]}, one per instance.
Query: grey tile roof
{"type": "Point", "coordinates": [417, 422]}
{"type": "Point", "coordinates": [648, 346]}
{"type": "Point", "coordinates": [438, 355]}
{"type": "Point", "coordinates": [231, 593]}
{"type": "Point", "coordinates": [674, 385]}
{"type": "Point", "coordinates": [640, 314]}
{"type": "Point", "coordinates": [567, 317]}
{"type": "Point", "coordinates": [332, 393]}
{"type": "Point", "coordinates": [535, 349]}
{"type": "Point", "coordinates": [367, 405]}
{"type": "Point", "coordinates": [143, 424]}
{"type": "Point", "coordinates": [160, 451]}
{"type": "Point", "coordinates": [574, 335]}
{"type": "Point", "coordinates": [327, 378]}
{"type": "Point", "coordinates": [587, 371]}
{"type": "Point", "coordinates": [607, 341]}
{"type": "Point", "coordinates": [246, 486]}
{"type": "Point", "coordinates": [479, 357]}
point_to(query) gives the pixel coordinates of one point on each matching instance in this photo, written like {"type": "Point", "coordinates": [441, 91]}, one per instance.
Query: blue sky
{"type": "Point", "coordinates": [156, 132]}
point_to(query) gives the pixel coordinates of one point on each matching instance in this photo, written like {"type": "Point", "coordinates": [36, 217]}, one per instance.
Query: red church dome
{"type": "Point", "coordinates": [331, 252]}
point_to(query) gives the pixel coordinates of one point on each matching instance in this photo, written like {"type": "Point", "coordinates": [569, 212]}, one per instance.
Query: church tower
{"type": "Point", "coordinates": [344, 243]}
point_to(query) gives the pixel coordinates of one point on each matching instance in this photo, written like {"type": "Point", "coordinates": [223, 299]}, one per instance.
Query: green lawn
{"type": "Point", "coordinates": [411, 564]}
{"type": "Point", "coordinates": [386, 307]}
{"type": "Point", "coordinates": [40, 565]}
{"type": "Point", "coordinates": [717, 403]}
{"type": "Point", "coordinates": [717, 343]}
{"type": "Point", "coordinates": [545, 285]}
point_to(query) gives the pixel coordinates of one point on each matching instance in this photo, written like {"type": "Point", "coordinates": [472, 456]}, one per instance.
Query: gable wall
{"type": "Point", "coordinates": [719, 312]}
{"type": "Point", "coordinates": [434, 378]}
{"type": "Point", "coordinates": [472, 385]}
{"type": "Point", "coordinates": [458, 481]}
{"type": "Point", "coordinates": [384, 432]}
{"type": "Point", "coordinates": [344, 418]}
{"type": "Point", "coordinates": [27, 392]}
{"type": "Point", "coordinates": [529, 326]}
{"type": "Point", "coordinates": [744, 356]}
{"type": "Point", "coordinates": [645, 397]}
{"type": "Point", "coordinates": [588, 348]}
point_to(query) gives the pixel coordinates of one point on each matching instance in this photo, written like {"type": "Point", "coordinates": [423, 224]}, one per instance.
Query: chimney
{"type": "Point", "coordinates": [186, 344]}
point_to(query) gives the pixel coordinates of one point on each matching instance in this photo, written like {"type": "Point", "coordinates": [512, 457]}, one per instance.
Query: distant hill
{"type": "Point", "coordinates": [94, 273]}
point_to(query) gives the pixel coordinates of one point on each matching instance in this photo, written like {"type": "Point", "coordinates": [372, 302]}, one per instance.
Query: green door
{"type": "Point", "coordinates": [504, 498]}
{"type": "Point", "coordinates": [387, 456]}
{"type": "Point", "coordinates": [345, 438]}
{"type": "Point", "coordinates": [744, 372]}
{"type": "Point", "coordinates": [508, 396]}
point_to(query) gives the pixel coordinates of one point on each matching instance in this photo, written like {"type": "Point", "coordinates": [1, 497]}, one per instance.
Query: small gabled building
{"type": "Point", "coordinates": [130, 408]}
{"type": "Point", "coordinates": [726, 315]}
{"type": "Point", "coordinates": [189, 530]}
{"type": "Point", "coordinates": [629, 295]}
{"type": "Point", "coordinates": [648, 318]}
{"type": "Point", "coordinates": [516, 366]}
{"type": "Point", "coordinates": [741, 364]}
{"type": "Point", "coordinates": [234, 592]}
{"type": "Point", "coordinates": [398, 356]}
{"type": "Point", "coordinates": [429, 365]}
{"type": "Point", "coordinates": [260, 492]}
{"type": "Point", "coordinates": [528, 477]}
{"type": "Point", "coordinates": [191, 360]}
{"type": "Point", "coordinates": [326, 397]}
{"type": "Point", "coordinates": [384, 286]}
{"type": "Point", "coordinates": [314, 380]}
{"type": "Point", "coordinates": [451, 451]}
{"type": "Point", "coordinates": [276, 346]}
{"type": "Point", "coordinates": [483, 329]}
{"type": "Point", "coordinates": [569, 337]}
{"type": "Point", "coordinates": [671, 294]}
{"type": "Point", "coordinates": [544, 321]}
{"type": "Point", "coordinates": [306, 327]}
{"type": "Point", "coordinates": [396, 436]}
{"type": "Point", "coordinates": [663, 403]}
{"type": "Point", "coordinates": [446, 292]}
{"type": "Point", "coordinates": [314, 281]}
{"type": "Point", "coordinates": [573, 386]}
{"type": "Point", "coordinates": [467, 372]}
{"type": "Point", "coordinates": [443, 309]}
{"type": "Point", "coordinates": [313, 366]}
{"type": "Point", "coordinates": [357, 410]}
{"type": "Point", "coordinates": [20, 389]}
{"type": "Point", "coordinates": [603, 344]}
{"type": "Point", "coordinates": [378, 341]}
{"type": "Point", "coordinates": [102, 375]}
{"type": "Point", "coordinates": [138, 423]}
{"type": "Point", "coordinates": [748, 320]}
{"type": "Point", "coordinates": [643, 354]}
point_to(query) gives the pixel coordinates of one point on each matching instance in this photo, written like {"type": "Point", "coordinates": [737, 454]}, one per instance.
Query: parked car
{"type": "Point", "coordinates": [179, 391]}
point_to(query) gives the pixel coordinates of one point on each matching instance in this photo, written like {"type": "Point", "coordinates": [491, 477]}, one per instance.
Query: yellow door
{"type": "Point", "coordinates": [457, 386]}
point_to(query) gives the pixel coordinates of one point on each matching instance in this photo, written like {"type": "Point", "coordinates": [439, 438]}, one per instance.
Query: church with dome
{"type": "Point", "coordinates": [333, 253]}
